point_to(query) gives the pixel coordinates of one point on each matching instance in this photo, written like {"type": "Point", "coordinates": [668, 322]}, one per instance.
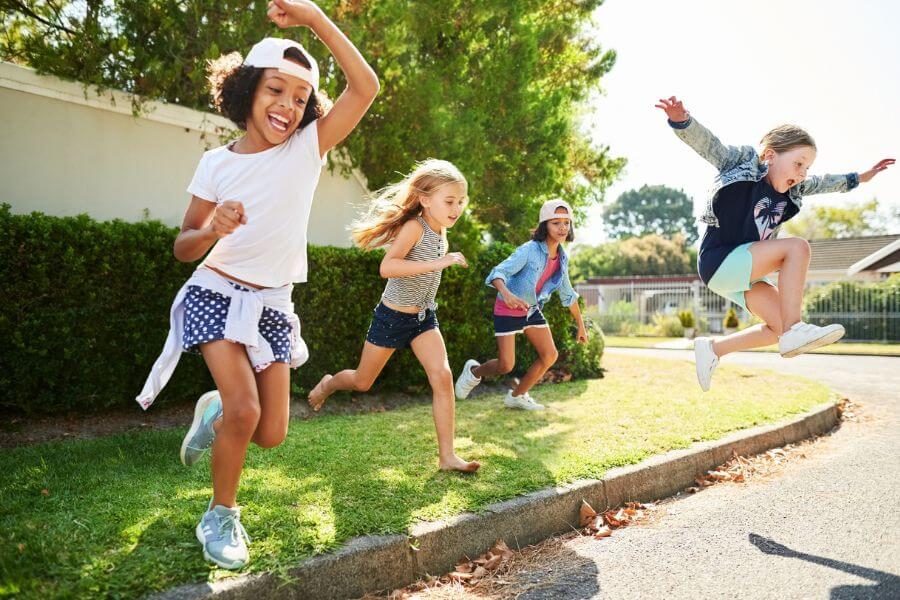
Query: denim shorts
{"type": "Point", "coordinates": [732, 278]}
{"type": "Point", "coordinates": [204, 321]}
{"type": "Point", "coordinates": [505, 325]}
{"type": "Point", "coordinates": [394, 329]}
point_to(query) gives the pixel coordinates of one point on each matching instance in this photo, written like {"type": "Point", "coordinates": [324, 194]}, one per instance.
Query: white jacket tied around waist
{"type": "Point", "coordinates": [241, 326]}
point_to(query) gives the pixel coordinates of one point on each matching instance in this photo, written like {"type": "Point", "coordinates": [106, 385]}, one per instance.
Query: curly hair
{"type": "Point", "coordinates": [233, 86]}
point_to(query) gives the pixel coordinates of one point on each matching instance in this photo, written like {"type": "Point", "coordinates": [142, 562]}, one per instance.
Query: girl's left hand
{"type": "Point", "coordinates": [293, 13]}
{"type": "Point", "coordinates": [582, 336]}
{"type": "Point", "coordinates": [880, 166]}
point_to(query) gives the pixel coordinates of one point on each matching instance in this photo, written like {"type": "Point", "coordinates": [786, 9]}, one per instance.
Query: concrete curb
{"type": "Point", "coordinates": [372, 563]}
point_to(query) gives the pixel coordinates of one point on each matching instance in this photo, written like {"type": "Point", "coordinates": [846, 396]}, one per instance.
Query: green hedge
{"type": "Point", "coordinates": [85, 308]}
{"type": "Point", "coordinates": [873, 306]}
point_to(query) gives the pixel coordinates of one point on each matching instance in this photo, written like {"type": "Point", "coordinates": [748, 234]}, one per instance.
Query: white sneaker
{"type": "Point", "coordinates": [803, 337]}
{"type": "Point", "coordinates": [466, 381]}
{"type": "Point", "coordinates": [705, 360]}
{"type": "Point", "coordinates": [525, 402]}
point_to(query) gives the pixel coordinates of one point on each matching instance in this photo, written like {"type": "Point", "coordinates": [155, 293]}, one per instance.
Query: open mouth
{"type": "Point", "coordinates": [278, 122]}
{"type": "Point", "coordinates": [791, 182]}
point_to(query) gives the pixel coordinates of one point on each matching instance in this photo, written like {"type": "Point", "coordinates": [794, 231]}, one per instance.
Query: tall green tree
{"type": "Point", "coordinates": [651, 209]}
{"type": "Point", "coordinates": [847, 220]}
{"type": "Point", "coordinates": [496, 86]}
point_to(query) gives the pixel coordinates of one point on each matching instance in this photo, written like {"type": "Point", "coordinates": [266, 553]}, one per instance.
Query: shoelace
{"type": "Point", "coordinates": [231, 526]}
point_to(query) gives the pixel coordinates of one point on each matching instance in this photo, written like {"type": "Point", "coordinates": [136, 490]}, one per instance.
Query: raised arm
{"type": "Point", "coordinates": [362, 83]}
{"type": "Point", "coordinates": [825, 184]}
{"type": "Point", "coordinates": [701, 139]}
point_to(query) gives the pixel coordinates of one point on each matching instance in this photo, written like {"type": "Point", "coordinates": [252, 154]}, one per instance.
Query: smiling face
{"type": "Point", "coordinates": [445, 205]}
{"type": "Point", "coordinates": [558, 228]}
{"type": "Point", "coordinates": [788, 168]}
{"type": "Point", "coordinates": [278, 106]}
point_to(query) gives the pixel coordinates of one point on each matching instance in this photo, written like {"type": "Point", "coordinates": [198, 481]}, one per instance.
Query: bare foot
{"type": "Point", "coordinates": [317, 396]}
{"type": "Point", "coordinates": [455, 463]}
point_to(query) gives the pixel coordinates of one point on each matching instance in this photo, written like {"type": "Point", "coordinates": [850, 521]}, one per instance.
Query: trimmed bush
{"type": "Point", "coordinates": [874, 306]}
{"type": "Point", "coordinates": [84, 312]}
{"type": "Point", "coordinates": [731, 319]}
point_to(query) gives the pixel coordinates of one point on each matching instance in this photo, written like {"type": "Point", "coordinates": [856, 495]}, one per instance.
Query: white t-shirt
{"type": "Point", "coordinates": [276, 188]}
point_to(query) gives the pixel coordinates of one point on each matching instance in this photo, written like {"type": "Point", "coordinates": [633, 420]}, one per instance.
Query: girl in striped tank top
{"type": "Point", "coordinates": [411, 218]}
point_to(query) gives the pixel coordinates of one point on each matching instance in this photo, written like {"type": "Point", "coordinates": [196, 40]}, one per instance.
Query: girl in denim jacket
{"type": "Point", "coordinates": [524, 282]}
{"type": "Point", "coordinates": [754, 194]}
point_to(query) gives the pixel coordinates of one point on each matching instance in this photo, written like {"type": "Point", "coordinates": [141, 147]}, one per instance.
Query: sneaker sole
{"type": "Point", "coordinates": [201, 407]}
{"type": "Point", "coordinates": [822, 341]}
{"type": "Point", "coordinates": [706, 387]}
{"type": "Point", "coordinates": [230, 566]}
{"type": "Point", "coordinates": [519, 407]}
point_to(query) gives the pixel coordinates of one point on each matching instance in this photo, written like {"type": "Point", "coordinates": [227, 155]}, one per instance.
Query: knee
{"type": "Point", "coordinates": [271, 438]}
{"type": "Point", "coordinates": [549, 358]}
{"type": "Point", "coordinates": [505, 365]}
{"type": "Point", "coordinates": [363, 384]}
{"type": "Point", "coordinates": [244, 416]}
{"type": "Point", "coordinates": [800, 247]}
{"type": "Point", "coordinates": [441, 378]}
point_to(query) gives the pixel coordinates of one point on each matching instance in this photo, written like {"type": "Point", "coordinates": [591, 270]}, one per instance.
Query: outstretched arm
{"type": "Point", "coordinates": [701, 139]}
{"type": "Point", "coordinates": [825, 184]}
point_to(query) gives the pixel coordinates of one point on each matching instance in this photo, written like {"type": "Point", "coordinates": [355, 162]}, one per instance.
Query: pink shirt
{"type": "Point", "coordinates": [500, 307]}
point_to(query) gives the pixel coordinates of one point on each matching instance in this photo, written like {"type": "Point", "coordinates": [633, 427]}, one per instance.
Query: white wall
{"type": "Point", "coordinates": [66, 150]}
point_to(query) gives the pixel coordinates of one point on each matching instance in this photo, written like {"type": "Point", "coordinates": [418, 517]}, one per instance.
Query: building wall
{"type": "Point", "coordinates": [65, 150]}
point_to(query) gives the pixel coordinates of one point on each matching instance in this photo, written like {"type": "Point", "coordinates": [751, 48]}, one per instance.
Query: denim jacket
{"type": "Point", "coordinates": [743, 164]}
{"type": "Point", "coordinates": [524, 267]}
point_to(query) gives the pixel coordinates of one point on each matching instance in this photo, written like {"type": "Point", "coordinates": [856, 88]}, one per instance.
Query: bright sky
{"type": "Point", "coordinates": [832, 67]}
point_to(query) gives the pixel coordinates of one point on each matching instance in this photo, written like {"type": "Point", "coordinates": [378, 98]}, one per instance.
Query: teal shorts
{"type": "Point", "coordinates": [732, 278]}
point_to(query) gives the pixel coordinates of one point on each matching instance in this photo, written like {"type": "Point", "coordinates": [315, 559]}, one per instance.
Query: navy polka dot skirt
{"type": "Point", "coordinates": [204, 321]}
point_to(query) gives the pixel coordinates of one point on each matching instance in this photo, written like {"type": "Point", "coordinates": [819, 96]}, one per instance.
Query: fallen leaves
{"type": "Point", "coordinates": [742, 469]}
{"type": "Point", "coordinates": [601, 525]}
{"type": "Point", "coordinates": [472, 571]}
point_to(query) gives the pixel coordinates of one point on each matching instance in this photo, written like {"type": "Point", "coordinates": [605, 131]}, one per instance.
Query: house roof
{"type": "Point", "coordinates": [841, 254]}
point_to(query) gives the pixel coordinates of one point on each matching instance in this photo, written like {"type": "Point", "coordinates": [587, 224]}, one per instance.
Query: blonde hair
{"type": "Point", "coordinates": [396, 204]}
{"type": "Point", "coordinates": [784, 138]}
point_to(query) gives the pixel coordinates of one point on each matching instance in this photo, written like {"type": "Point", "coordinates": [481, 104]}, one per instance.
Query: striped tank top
{"type": "Point", "coordinates": [419, 290]}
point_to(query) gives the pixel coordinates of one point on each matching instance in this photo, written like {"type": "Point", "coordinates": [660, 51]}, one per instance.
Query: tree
{"type": "Point", "coordinates": [651, 209]}
{"type": "Point", "coordinates": [649, 255]}
{"type": "Point", "coordinates": [494, 86]}
{"type": "Point", "coordinates": [850, 220]}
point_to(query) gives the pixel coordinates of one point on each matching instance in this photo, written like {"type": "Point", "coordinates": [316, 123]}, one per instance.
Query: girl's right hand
{"type": "Point", "coordinates": [674, 109]}
{"type": "Point", "coordinates": [228, 216]}
{"type": "Point", "coordinates": [453, 258]}
{"type": "Point", "coordinates": [293, 13]}
{"type": "Point", "coordinates": [514, 302]}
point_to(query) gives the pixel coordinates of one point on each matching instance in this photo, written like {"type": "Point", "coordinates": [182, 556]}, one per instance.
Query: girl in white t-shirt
{"type": "Point", "coordinates": [250, 203]}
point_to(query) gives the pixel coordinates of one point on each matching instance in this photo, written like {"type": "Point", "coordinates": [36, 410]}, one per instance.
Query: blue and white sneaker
{"type": "Point", "coordinates": [223, 537]}
{"type": "Point", "coordinates": [201, 434]}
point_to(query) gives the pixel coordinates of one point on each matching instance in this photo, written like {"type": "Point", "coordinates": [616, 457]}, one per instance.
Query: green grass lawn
{"type": "Point", "coordinates": [615, 341]}
{"type": "Point", "coordinates": [115, 517]}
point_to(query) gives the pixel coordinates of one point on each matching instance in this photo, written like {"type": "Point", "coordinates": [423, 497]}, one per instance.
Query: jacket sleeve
{"type": "Point", "coordinates": [567, 294]}
{"type": "Point", "coordinates": [708, 146]}
{"type": "Point", "coordinates": [514, 263]}
{"type": "Point", "coordinates": [825, 184]}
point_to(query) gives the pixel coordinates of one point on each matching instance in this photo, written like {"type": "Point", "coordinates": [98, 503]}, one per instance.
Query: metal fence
{"type": "Point", "coordinates": [866, 312]}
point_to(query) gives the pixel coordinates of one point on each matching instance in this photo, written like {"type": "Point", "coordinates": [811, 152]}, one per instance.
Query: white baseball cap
{"type": "Point", "coordinates": [269, 54]}
{"type": "Point", "coordinates": [548, 210]}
